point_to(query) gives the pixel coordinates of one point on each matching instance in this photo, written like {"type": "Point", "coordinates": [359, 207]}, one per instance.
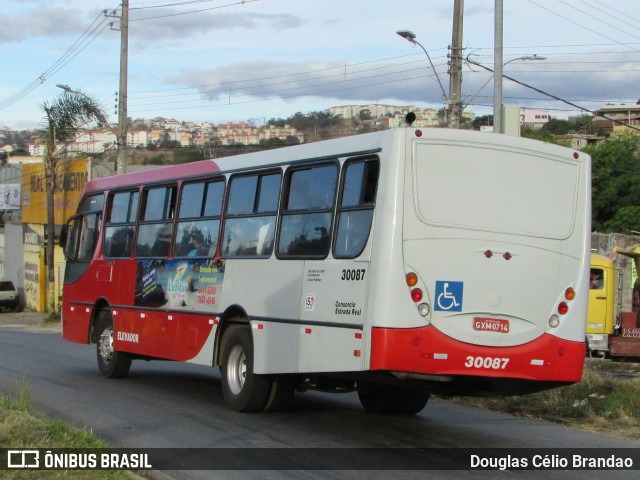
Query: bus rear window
{"type": "Point", "coordinates": [502, 191]}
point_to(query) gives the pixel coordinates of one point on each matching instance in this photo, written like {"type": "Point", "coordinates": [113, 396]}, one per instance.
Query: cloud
{"type": "Point", "coordinates": [42, 22]}
{"type": "Point", "coordinates": [408, 80]}
{"type": "Point", "coordinates": [186, 26]}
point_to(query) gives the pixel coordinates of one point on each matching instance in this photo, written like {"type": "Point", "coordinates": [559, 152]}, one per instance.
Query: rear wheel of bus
{"type": "Point", "coordinates": [243, 390]}
{"type": "Point", "coordinates": [389, 399]}
{"type": "Point", "coordinates": [112, 364]}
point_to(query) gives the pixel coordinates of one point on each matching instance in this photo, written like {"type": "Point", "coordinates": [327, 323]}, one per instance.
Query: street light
{"type": "Point", "coordinates": [525, 58]}
{"type": "Point", "coordinates": [411, 37]}
{"type": "Point", "coordinates": [67, 88]}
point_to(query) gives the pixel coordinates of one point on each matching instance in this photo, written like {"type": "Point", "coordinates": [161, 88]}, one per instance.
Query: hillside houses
{"type": "Point", "coordinates": [185, 134]}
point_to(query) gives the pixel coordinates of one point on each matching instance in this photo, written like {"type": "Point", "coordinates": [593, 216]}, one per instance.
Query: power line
{"type": "Point", "coordinates": [626, 14]}
{"type": "Point", "coordinates": [580, 25]}
{"type": "Point", "coordinates": [175, 4]}
{"type": "Point", "coordinates": [554, 96]}
{"type": "Point", "coordinates": [87, 37]}
{"type": "Point", "coordinates": [241, 2]}
{"type": "Point", "coordinates": [598, 19]}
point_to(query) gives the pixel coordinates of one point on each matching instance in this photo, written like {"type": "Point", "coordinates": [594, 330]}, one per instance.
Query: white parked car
{"type": "Point", "coordinates": [9, 296]}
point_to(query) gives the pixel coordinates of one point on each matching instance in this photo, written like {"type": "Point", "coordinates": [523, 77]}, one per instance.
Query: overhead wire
{"type": "Point", "coordinates": [160, 4]}
{"type": "Point", "coordinates": [89, 35]}
{"type": "Point", "coordinates": [555, 97]}
{"type": "Point", "coordinates": [241, 85]}
{"type": "Point", "coordinates": [600, 20]}
{"type": "Point", "coordinates": [176, 14]}
{"type": "Point", "coordinates": [600, 34]}
{"type": "Point", "coordinates": [610, 7]}
{"type": "Point", "coordinates": [85, 39]}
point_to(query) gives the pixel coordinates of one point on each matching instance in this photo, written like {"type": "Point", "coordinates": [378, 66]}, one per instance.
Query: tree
{"type": "Point", "coordinates": [616, 184]}
{"type": "Point", "coordinates": [482, 121]}
{"type": "Point", "coordinates": [68, 113]}
{"type": "Point", "coordinates": [556, 126]}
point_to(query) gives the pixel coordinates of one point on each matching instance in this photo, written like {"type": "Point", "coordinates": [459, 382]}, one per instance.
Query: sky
{"type": "Point", "coordinates": [234, 60]}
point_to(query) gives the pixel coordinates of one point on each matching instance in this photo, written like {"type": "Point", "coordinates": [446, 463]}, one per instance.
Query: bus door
{"type": "Point", "coordinates": [334, 291]}
{"type": "Point", "coordinates": [151, 328]}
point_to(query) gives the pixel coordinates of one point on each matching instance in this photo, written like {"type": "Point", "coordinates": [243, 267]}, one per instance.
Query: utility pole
{"type": "Point", "coordinates": [455, 72]}
{"type": "Point", "coordinates": [498, 126]}
{"type": "Point", "coordinates": [122, 97]}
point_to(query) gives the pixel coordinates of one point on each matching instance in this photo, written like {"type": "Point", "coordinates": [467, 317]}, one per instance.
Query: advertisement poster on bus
{"type": "Point", "coordinates": [188, 284]}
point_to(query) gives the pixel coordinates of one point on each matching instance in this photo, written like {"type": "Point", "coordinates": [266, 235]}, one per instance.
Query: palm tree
{"type": "Point", "coordinates": [63, 118]}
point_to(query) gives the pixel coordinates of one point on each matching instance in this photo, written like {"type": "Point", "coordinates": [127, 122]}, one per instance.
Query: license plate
{"type": "Point", "coordinates": [491, 325]}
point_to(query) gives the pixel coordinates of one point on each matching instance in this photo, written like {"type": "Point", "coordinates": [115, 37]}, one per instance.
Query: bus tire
{"type": "Point", "coordinates": [243, 391]}
{"type": "Point", "coordinates": [112, 364]}
{"type": "Point", "coordinates": [281, 395]}
{"type": "Point", "coordinates": [386, 399]}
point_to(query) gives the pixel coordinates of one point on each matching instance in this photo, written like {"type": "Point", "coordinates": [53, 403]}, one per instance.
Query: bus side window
{"type": "Point", "coordinates": [83, 238]}
{"type": "Point", "coordinates": [120, 223]}
{"type": "Point", "coordinates": [356, 207]}
{"type": "Point", "coordinates": [156, 227]}
{"type": "Point", "coordinates": [199, 219]}
{"type": "Point", "coordinates": [307, 213]}
{"type": "Point", "coordinates": [88, 236]}
{"type": "Point", "coordinates": [252, 205]}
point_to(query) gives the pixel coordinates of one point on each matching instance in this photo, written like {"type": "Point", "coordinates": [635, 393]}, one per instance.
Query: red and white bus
{"type": "Point", "coordinates": [396, 263]}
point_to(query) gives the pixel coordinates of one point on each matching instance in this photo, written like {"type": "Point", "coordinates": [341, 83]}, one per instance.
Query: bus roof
{"type": "Point", "coordinates": [345, 146]}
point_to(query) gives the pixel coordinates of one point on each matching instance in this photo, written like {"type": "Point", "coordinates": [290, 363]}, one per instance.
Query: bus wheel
{"type": "Point", "coordinates": [243, 391]}
{"type": "Point", "coordinates": [281, 395]}
{"type": "Point", "coordinates": [112, 364]}
{"type": "Point", "coordinates": [392, 400]}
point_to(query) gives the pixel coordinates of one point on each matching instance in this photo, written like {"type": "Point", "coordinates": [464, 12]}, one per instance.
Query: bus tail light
{"type": "Point", "coordinates": [416, 295]}
{"type": "Point", "coordinates": [412, 279]}
{"type": "Point", "coordinates": [563, 307]}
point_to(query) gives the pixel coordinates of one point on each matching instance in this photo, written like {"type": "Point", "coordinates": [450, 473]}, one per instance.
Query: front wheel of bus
{"type": "Point", "coordinates": [388, 399]}
{"type": "Point", "coordinates": [112, 364]}
{"type": "Point", "coordinates": [243, 390]}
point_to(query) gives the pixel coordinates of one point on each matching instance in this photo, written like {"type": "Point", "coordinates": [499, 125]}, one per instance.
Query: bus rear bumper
{"type": "Point", "coordinates": [427, 351]}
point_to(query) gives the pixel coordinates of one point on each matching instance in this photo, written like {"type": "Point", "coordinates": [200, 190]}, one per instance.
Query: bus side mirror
{"type": "Point", "coordinates": [64, 233]}
{"type": "Point", "coordinates": [69, 238]}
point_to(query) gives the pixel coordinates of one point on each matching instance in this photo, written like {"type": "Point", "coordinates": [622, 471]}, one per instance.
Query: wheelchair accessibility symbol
{"type": "Point", "coordinates": [448, 296]}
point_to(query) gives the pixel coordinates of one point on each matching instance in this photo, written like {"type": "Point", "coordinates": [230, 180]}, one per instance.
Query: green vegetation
{"type": "Point", "coordinates": [21, 427]}
{"type": "Point", "coordinates": [616, 184]}
{"type": "Point", "coordinates": [607, 401]}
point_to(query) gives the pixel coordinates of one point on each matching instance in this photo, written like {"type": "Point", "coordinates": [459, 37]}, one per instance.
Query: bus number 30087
{"type": "Point", "coordinates": [486, 362]}
{"type": "Point", "coordinates": [353, 274]}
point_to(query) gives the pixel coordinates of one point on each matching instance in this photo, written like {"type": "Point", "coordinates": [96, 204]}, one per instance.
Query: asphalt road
{"type": "Point", "coordinates": [170, 405]}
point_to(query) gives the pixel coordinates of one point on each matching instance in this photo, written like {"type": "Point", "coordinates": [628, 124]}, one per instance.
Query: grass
{"type": "Point", "coordinates": [607, 401]}
{"type": "Point", "coordinates": [22, 427]}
